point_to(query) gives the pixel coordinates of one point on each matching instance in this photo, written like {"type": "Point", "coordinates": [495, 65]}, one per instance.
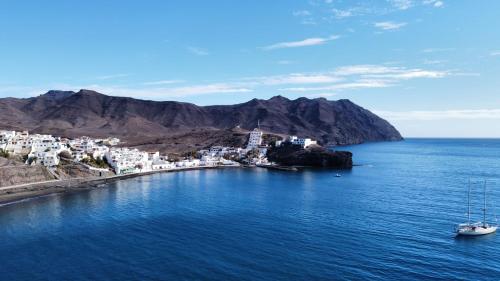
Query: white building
{"type": "Point", "coordinates": [255, 139]}
{"type": "Point", "coordinates": [162, 165]}
{"type": "Point", "coordinates": [79, 155]}
{"type": "Point", "coordinates": [19, 144]}
{"type": "Point", "coordinates": [303, 142]}
{"type": "Point", "coordinates": [208, 160]}
{"type": "Point", "coordinates": [111, 141]}
{"type": "Point", "coordinates": [50, 159]}
{"type": "Point", "coordinates": [124, 160]}
{"type": "Point", "coordinates": [5, 136]}
{"type": "Point", "coordinates": [188, 163]}
{"type": "Point", "coordinates": [99, 151]}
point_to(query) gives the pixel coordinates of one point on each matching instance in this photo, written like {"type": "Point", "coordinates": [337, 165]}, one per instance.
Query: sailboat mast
{"type": "Point", "coordinates": [484, 205]}
{"type": "Point", "coordinates": [468, 204]}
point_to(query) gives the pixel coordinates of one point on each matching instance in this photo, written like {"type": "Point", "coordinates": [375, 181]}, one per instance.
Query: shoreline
{"type": "Point", "coordinates": [18, 193]}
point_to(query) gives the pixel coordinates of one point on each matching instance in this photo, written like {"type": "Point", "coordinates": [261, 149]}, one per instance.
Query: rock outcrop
{"type": "Point", "coordinates": [314, 156]}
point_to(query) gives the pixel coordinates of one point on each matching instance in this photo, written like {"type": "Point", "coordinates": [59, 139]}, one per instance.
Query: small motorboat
{"type": "Point", "coordinates": [337, 175]}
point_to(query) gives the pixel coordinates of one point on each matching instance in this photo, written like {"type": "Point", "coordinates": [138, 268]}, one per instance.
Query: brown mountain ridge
{"type": "Point", "coordinates": [164, 123]}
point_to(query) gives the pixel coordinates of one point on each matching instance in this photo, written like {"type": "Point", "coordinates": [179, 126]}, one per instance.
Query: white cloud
{"type": "Point", "coordinates": [401, 4]}
{"type": "Point", "coordinates": [351, 77]}
{"type": "Point", "coordinates": [438, 4]}
{"type": "Point", "coordinates": [364, 69]}
{"type": "Point", "coordinates": [162, 82]}
{"type": "Point", "coordinates": [392, 72]}
{"type": "Point", "coordinates": [216, 88]}
{"type": "Point", "coordinates": [198, 51]}
{"type": "Point", "coordinates": [368, 76]}
{"type": "Point", "coordinates": [303, 43]}
{"type": "Point", "coordinates": [437, 50]}
{"type": "Point", "coordinates": [389, 25]}
{"type": "Point", "coordinates": [112, 76]}
{"type": "Point", "coordinates": [298, 78]}
{"type": "Point", "coordinates": [495, 53]}
{"type": "Point", "coordinates": [285, 62]}
{"type": "Point", "coordinates": [308, 21]}
{"type": "Point", "coordinates": [434, 3]}
{"type": "Point", "coordinates": [302, 13]}
{"type": "Point", "coordinates": [426, 61]}
{"type": "Point", "coordinates": [440, 115]}
{"type": "Point", "coordinates": [18, 91]}
{"type": "Point", "coordinates": [340, 14]}
{"type": "Point", "coordinates": [157, 93]}
{"type": "Point", "coordinates": [361, 84]}
{"type": "Point", "coordinates": [411, 74]}
{"type": "Point", "coordinates": [321, 95]}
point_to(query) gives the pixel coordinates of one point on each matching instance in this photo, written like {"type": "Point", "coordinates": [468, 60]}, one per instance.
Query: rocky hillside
{"type": "Point", "coordinates": [90, 113]}
{"type": "Point", "coordinates": [15, 173]}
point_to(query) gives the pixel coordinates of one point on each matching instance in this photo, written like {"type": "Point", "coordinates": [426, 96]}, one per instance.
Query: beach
{"type": "Point", "coordinates": [15, 193]}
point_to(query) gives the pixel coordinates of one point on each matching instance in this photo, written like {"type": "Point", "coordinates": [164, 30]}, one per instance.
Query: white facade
{"type": "Point", "coordinates": [188, 163]}
{"type": "Point", "coordinates": [50, 159]}
{"type": "Point", "coordinates": [124, 160]}
{"type": "Point", "coordinates": [99, 151]}
{"type": "Point", "coordinates": [79, 155]}
{"type": "Point", "coordinates": [303, 142]}
{"type": "Point", "coordinates": [255, 139]}
{"type": "Point", "coordinates": [112, 141]}
{"type": "Point", "coordinates": [208, 160]}
{"type": "Point", "coordinates": [162, 165]}
{"type": "Point", "coordinates": [19, 144]}
{"type": "Point", "coordinates": [45, 150]}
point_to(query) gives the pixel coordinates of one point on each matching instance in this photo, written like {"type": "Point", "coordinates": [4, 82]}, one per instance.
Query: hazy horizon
{"type": "Point", "coordinates": [427, 66]}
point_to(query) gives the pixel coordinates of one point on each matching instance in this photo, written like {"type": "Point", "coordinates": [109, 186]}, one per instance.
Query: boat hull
{"type": "Point", "coordinates": [477, 231]}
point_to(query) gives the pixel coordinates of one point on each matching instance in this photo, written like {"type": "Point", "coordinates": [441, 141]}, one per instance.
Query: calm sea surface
{"type": "Point", "coordinates": [389, 219]}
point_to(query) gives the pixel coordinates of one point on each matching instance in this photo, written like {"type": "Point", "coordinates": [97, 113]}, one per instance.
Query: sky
{"type": "Point", "coordinates": [429, 67]}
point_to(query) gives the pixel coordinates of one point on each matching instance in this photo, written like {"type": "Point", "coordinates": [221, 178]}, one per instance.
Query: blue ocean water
{"type": "Point", "coordinates": [389, 219]}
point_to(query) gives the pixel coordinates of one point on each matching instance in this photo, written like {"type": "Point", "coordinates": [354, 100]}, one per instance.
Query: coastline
{"type": "Point", "coordinates": [19, 193]}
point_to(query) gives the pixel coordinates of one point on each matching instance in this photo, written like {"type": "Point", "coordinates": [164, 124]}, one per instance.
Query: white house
{"type": "Point", "coordinates": [124, 160]}
{"type": "Point", "coordinates": [99, 151]}
{"type": "Point", "coordinates": [19, 144]}
{"type": "Point", "coordinates": [303, 142]}
{"type": "Point", "coordinates": [208, 160]}
{"type": "Point", "coordinates": [50, 159]}
{"type": "Point", "coordinates": [162, 165]}
{"type": "Point", "coordinates": [188, 163]}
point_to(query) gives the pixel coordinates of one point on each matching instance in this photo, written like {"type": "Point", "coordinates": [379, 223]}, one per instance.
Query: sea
{"type": "Point", "coordinates": [391, 217]}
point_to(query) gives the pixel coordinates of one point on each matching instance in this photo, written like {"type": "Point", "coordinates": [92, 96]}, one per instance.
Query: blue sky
{"type": "Point", "coordinates": [430, 67]}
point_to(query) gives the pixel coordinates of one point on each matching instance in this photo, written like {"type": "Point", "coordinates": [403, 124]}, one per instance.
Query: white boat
{"type": "Point", "coordinates": [478, 228]}
{"type": "Point", "coordinates": [475, 229]}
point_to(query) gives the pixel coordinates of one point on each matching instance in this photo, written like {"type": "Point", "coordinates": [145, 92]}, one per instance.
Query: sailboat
{"type": "Point", "coordinates": [478, 228]}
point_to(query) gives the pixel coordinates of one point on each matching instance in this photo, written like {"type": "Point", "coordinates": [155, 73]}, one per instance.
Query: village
{"type": "Point", "coordinates": [108, 154]}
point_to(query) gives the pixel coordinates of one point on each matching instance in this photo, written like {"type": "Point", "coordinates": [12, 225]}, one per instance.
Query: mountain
{"type": "Point", "coordinates": [137, 121]}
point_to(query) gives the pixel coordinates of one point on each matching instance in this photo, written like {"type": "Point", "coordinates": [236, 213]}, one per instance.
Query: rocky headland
{"type": "Point", "coordinates": [313, 156]}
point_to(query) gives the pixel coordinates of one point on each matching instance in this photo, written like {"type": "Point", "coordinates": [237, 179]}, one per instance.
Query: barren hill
{"type": "Point", "coordinates": [90, 113]}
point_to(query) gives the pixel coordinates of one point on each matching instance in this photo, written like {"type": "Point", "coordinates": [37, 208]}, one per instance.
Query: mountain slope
{"type": "Point", "coordinates": [90, 113]}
